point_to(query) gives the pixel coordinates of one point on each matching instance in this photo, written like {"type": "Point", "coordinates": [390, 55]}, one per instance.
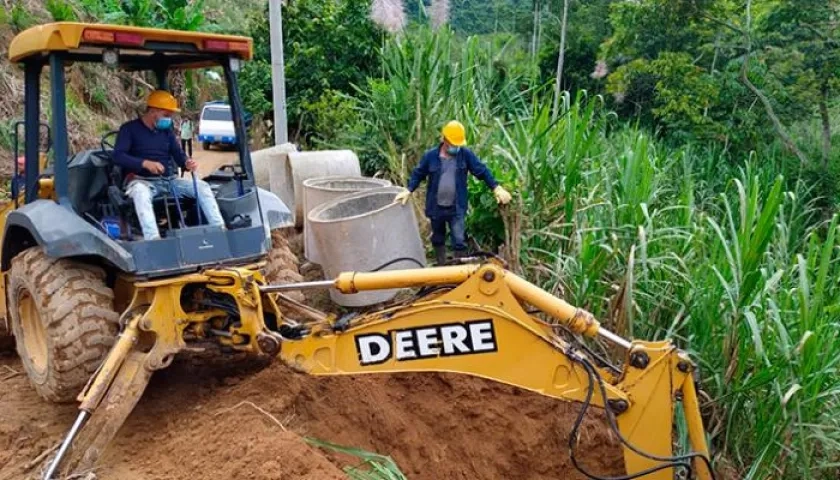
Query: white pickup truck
{"type": "Point", "coordinates": [215, 126]}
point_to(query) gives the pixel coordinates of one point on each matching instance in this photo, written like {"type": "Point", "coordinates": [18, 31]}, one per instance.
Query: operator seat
{"type": "Point", "coordinates": [86, 180]}
{"type": "Point", "coordinates": [162, 203]}
{"type": "Point", "coordinates": [115, 186]}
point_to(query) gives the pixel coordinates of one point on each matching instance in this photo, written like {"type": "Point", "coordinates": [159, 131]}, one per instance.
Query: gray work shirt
{"type": "Point", "coordinates": [446, 186]}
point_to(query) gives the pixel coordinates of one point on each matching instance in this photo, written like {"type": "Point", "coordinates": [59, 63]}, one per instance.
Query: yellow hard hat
{"type": "Point", "coordinates": [455, 133]}
{"type": "Point", "coordinates": [163, 100]}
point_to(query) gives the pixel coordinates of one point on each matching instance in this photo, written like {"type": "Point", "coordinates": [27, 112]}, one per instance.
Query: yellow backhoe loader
{"type": "Point", "coordinates": [95, 311]}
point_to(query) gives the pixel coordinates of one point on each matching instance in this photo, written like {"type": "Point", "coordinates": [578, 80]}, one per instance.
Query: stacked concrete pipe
{"type": "Point", "coordinates": [282, 171]}
{"type": "Point", "coordinates": [362, 232]}
{"type": "Point", "coordinates": [266, 160]}
{"type": "Point", "coordinates": [320, 190]}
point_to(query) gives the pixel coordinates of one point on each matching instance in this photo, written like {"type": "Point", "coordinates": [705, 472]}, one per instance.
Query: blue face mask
{"type": "Point", "coordinates": [164, 123]}
{"type": "Point", "coordinates": [453, 150]}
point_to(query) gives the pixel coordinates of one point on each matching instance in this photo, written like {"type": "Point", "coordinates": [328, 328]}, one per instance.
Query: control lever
{"type": "Point", "coordinates": [239, 176]}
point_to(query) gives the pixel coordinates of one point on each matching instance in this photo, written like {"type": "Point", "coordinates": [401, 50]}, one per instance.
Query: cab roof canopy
{"type": "Point", "coordinates": [138, 48]}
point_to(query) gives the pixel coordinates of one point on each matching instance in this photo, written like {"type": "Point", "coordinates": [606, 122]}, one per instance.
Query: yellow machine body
{"type": "Point", "coordinates": [480, 328]}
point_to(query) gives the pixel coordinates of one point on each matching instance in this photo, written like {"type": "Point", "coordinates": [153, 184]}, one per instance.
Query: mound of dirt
{"type": "Point", "coordinates": [222, 418]}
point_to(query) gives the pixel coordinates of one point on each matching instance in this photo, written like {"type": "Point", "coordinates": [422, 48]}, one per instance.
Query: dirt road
{"type": "Point", "coordinates": [210, 160]}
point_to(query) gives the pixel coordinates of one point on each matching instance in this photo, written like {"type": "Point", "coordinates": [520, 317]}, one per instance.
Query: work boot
{"type": "Point", "coordinates": [440, 253]}
{"type": "Point", "coordinates": [460, 253]}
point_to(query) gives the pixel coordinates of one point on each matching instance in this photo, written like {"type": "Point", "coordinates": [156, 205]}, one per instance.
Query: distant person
{"type": "Point", "coordinates": [446, 165]}
{"type": "Point", "coordinates": [19, 182]}
{"type": "Point", "coordinates": [186, 138]}
{"type": "Point", "coordinates": [147, 150]}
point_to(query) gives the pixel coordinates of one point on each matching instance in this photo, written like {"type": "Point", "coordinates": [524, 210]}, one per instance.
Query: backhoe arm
{"type": "Point", "coordinates": [480, 328]}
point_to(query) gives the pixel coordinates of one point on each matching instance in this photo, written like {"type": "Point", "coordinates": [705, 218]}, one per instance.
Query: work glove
{"type": "Point", "coordinates": [402, 197]}
{"type": "Point", "coordinates": [502, 195]}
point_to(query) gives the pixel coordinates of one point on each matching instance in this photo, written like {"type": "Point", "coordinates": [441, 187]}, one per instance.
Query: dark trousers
{"type": "Point", "coordinates": [457, 230]}
{"type": "Point", "coordinates": [186, 145]}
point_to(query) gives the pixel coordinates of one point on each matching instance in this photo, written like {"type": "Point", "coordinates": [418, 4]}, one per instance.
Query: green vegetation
{"type": "Point", "coordinates": [19, 18]}
{"type": "Point", "coordinates": [329, 46]}
{"type": "Point", "coordinates": [7, 134]}
{"type": "Point", "coordinates": [171, 14]}
{"type": "Point", "coordinates": [373, 465]}
{"type": "Point", "coordinates": [60, 11]}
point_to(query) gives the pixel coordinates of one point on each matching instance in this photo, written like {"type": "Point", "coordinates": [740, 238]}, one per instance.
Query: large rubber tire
{"type": "Point", "coordinates": [282, 264]}
{"type": "Point", "coordinates": [63, 319]}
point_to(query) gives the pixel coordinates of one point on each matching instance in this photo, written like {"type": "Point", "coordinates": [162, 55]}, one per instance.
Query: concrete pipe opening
{"type": "Point", "coordinates": [317, 191]}
{"type": "Point", "coordinates": [362, 232]}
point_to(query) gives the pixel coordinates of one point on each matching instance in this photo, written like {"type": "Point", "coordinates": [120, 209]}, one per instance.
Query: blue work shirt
{"type": "Point", "coordinates": [430, 166]}
{"type": "Point", "coordinates": [137, 142]}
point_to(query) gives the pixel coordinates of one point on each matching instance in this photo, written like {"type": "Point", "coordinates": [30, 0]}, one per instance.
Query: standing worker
{"type": "Point", "coordinates": [446, 166]}
{"type": "Point", "coordinates": [186, 139]}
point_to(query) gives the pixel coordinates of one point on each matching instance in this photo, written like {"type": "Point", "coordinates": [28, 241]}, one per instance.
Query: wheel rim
{"type": "Point", "coordinates": [34, 337]}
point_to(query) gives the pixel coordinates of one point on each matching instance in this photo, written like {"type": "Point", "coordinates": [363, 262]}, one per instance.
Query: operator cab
{"type": "Point", "coordinates": [89, 184]}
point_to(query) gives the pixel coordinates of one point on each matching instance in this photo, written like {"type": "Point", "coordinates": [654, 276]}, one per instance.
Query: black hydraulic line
{"type": "Point", "coordinates": [400, 259]}
{"type": "Point", "coordinates": [680, 461]}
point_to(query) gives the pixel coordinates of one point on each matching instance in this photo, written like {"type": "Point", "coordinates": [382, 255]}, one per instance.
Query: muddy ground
{"type": "Point", "coordinates": [210, 417]}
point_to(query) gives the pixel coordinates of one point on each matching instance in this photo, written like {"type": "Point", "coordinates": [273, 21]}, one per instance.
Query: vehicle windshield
{"type": "Point", "coordinates": [217, 114]}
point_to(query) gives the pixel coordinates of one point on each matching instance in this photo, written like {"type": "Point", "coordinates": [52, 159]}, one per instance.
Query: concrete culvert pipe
{"type": "Point", "coordinates": [267, 161]}
{"type": "Point", "coordinates": [281, 170]}
{"type": "Point", "coordinates": [363, 231]}
{"type": "Point", "coordinates": [317, 191]}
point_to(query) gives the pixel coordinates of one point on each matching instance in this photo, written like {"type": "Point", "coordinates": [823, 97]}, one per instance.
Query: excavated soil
{"type": "Point", "coordinates": [210, 417]}
{"type": "Point", "coordinates": [191, 423]}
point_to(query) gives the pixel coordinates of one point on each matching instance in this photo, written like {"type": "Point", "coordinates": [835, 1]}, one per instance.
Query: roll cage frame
{"type": "Point", "coordinates": [158, 62]}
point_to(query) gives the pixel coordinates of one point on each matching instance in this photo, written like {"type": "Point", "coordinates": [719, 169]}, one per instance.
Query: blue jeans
{"type": "Point", "coordinates": [143, 190]}
{"type": "Point", "coordinates": [457, 230]}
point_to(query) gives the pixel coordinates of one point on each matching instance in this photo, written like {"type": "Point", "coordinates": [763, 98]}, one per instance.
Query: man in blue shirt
{"type": "Point", "coordinates": [446, 167]}
{"type": "Point", "coordinates": [148, 152]}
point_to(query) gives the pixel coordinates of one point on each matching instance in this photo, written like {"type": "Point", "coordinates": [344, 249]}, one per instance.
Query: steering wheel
{"type": "Point", "coordinates": [106, 144]}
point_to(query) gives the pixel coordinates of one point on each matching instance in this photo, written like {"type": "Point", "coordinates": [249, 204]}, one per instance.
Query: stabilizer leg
{"type": "Point", "coordinates": [110, 415]}
{"type": "Point", "coordinates": [106, 402]}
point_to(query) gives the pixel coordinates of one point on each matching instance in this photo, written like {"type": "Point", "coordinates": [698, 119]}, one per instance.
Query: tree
{"type": "Point", "coordinates": [586, 30]}
{"type": "Point", "coordinates": [329, 46]}
{"type": "Point", "coordinates": [801, 45]}
{"type": "Point", "coordinates": [645, 28]}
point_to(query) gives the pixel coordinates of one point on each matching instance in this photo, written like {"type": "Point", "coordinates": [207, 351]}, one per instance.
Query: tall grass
{"type": "Point", "coordinates": [428, 79]}
{"type": "Point", "coordinates": [727, 257]}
